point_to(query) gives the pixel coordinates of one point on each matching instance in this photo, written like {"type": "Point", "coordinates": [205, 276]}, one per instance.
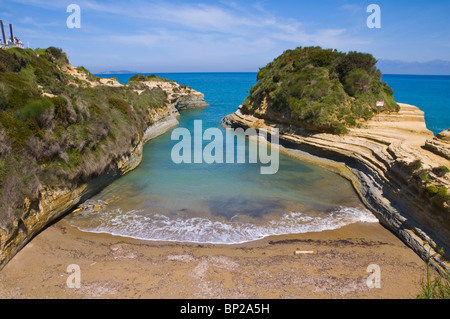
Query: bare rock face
{"type": "Point", "coordinates": [391, 169]}
{"type": "Point", "coordinates": [440, 144]}
{"type": "Point", "coordinates": [180, 96]}
{"type": "Point", "coordinates": [189, 101]}
{"type": "Point", "coordinates": [444, 136]}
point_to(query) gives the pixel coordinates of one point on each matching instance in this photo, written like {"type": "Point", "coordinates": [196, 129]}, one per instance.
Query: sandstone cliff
{"type": "Point", "coordinates": [66, 134]}
{"type": "Point", "coordinates": [393, 167]}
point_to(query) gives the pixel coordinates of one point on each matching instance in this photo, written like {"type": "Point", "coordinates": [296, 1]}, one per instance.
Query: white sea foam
{"type": "Point", "coordinates": [158, 227]}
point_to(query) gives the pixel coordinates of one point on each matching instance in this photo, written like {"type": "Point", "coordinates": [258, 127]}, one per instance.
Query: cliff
{"type": "Point", "coordinates": [396, 175]}
{"type": "Point", "coordinates": [65, 134]}
{"type": "Point", "coordinates": [333, 109]}
{"type": "Point", "coordinates": [321, 90]}
{"type": "Point", "coordinates": [181, 96]}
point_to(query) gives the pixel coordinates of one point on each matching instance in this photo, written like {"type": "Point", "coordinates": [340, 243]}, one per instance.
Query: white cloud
{"type": "Point", "coordinates": [231, 21]}
{"type": "Point", "coordinates": [224, 31]}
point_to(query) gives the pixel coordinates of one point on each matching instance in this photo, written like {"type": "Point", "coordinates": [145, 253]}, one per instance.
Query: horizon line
{"type": "Point", "coordinates": [199, 72]}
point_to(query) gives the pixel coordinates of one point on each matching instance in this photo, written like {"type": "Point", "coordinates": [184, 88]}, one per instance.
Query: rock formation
{"type": "Point", "coordinates": [439, 144]}
{"type": "Point", "coordinates": [66, 134]}
{"type": "Point", "coordinates": [180, 96]}
{"type": "Point", "coordinates": [389, 162]}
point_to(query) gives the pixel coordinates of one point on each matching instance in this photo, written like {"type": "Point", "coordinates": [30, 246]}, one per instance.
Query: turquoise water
{"type": "Point", "coordinates": [431, 93]}
{"type": "Point", "coordinates": [233, 203]}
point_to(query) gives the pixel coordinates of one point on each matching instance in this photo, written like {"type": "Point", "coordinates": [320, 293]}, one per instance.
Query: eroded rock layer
{"type": "Point", "coordinates": [392, 167]}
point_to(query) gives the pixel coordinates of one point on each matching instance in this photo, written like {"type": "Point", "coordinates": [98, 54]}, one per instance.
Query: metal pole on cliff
{"type": "Point", "coordinates": [12, 36]}
{"type": "Point", "coordinates": [3, 32]}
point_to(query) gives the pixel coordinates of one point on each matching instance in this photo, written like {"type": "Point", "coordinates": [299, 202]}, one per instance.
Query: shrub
{"type": "Point", "coordinates": [74, 158]}
{"type": "Point", "coordinates": [3, 99]}
{"type": "Point", "coordinates": [153, 77]}
{"type": "Point", "coordinates": [340, 129]}
{"type": "Point", "coordinates": [34, 108]}
{"type": "Point", "coordinates": [3, 171]}
{"type": "Point", "coordinates": [120, 105]}
{"type": "Point", "coordinates": [96, 109]}
{"type": "Point", "coordinates": [424, 176]}
{"type": "Point", "coordinates": [441, 170]}
{"type": "Point", "coordinates": [432, 190]}
{"type": "Point", "coordinates": [355, 60]}
{"type": "Point", "coordinates": [60, 104]}
{"type": "Point", "coordinates": [414, 165]}
{"type": "Point", "coordinates": [357, 81]}
{"type": "Point", "coordinates": [57, 54]}
{"type": "Point", "coordinates": [442, 192]}
{"type": "Point", "coordinates": [138, 77]}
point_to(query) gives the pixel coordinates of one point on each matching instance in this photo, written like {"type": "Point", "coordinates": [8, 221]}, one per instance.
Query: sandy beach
{"type": "Point", "coordinates": [117, 267]}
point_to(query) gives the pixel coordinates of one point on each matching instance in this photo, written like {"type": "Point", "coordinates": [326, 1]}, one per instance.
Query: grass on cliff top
{"type": "Point", "coordinates": [321, 89]}
{"type": "Point", "coordinates": [65, 136]}
{"type": "Point", "coordinates": [143, 78]}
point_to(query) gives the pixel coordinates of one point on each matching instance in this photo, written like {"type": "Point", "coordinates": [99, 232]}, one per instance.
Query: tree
{"type": "Point", "coordinates": [357, 81]}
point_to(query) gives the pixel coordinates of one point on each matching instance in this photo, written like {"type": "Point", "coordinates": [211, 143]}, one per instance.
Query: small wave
{"type": "Point", "coordinates": [158, 227]}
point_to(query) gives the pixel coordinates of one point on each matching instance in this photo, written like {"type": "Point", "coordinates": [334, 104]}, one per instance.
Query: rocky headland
{"type": "Point", "coordinates": [65, 134]}
{"type": "Point", "coordinates": [332, 109]}
{"type": "Point", "coordinates": [390, 167]}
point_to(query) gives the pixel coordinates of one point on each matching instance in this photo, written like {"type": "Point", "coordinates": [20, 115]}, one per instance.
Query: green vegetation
{"type": "Point", "coordinates": [427, 180]}
{"type": "Point", "coordinates": [441, 170]}
{"type": "Point", "coordinates": [321, 90]}
{"type": "Point", "coordinates": [142, 77]}
{"type": "Point", "coordinates": [88, 74]}
{"type": "Point", "coordinates": [437, 287]}
{"type": "Point", "coordinates": [56, 130]}
{"type": "Point", "coordinates": [432, 190]}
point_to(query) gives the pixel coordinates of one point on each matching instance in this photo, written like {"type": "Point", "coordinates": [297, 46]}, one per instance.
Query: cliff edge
{"type": "Point", "coordinates": [396, 175]}
{"type": "Point", "coordinates": [333, 109]}
{"type": "Point", "coordinates": [65, 134]}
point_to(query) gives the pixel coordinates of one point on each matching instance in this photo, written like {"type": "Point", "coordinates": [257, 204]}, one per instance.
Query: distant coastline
{"type": "Point", "coordinates": [435, 67]}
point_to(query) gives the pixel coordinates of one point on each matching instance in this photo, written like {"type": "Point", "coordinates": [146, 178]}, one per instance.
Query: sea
{"type": "Point", "coordinates": [225, 203]}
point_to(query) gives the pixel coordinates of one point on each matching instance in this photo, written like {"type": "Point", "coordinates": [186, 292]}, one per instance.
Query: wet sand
{"type": "Point", "coordinates": [117, 267]}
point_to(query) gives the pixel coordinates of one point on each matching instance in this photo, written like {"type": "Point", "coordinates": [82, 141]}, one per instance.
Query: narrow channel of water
{"type": "Point", "coordinates": [219, 203]}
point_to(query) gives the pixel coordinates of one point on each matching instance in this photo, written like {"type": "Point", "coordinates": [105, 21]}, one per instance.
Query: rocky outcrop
{"type": "Point", "coordinates": [439, 144]}
{"type": "Point", "coordinates": [389, 167]}
{"type": "Point", "coordinates": [180, 96]}
{"type": "Point", "coordinates": [53, 203]}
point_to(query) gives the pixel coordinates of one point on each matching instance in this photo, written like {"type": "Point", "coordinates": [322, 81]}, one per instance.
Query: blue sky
{"type": "Point", "coordinates": [201, 36]}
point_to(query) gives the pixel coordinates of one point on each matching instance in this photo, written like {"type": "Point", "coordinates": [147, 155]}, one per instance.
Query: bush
{"type": "Point", "coordinates": [137, 78]}
{"type": "Point", "coordinates": [3, 171]}
{"type": "Point", "coordinates": [34, 108]}
{"type": "Point", "coordinates": [355, 60]}
{"type": "Point", "coordinates": [424, 177]}
{"type": "Point", "coordinates": [432, 190]}
{"type": "Point", "coordinates": [153, 77]}
{"type": "Point", "coordinates": [60, 104]}
{"type": "Point", "coordinates": [3, 99]}
{"type": "Point", "coordinates": [442, 192]}
{"type": "Point", "coordinates": [356, 82]}
{"type": "Point", "coordinates": [120, 105]}
{"type": "Point", "coordinates": [57, 54]}
{"type": "Point", "coordinates": [441, 170]}
{"type": "Point", "coordinates": [74, 158]}
{"type": "Point", "coordinates": [414, 165]}
{"type": "Point", "coordinates": [96, 109]}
